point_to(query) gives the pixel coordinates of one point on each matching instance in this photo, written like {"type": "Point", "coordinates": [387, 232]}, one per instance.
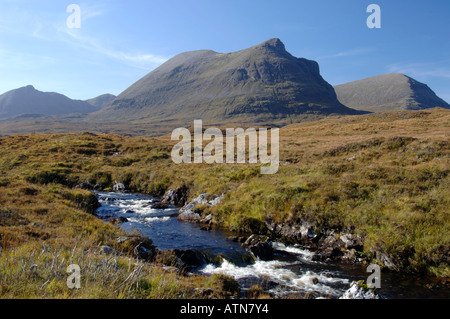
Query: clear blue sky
{"type": "Point", "coordinates": [121, 41]}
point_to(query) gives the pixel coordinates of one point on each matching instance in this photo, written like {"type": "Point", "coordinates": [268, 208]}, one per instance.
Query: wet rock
{"type": "Point", "coordinates": [328, 253]}
{"type": "Point", "coordinates": [299, 233]}
{"type": "Point", "coordinates": [159, 206]}
{"type": "Point", "coordinates": [191, 258]}
{"type": "Point", "coordinates": [315, 280]}
{"type": "Point", "coordinates": [259, 246]}
{"type": "Point", "coordinates": [176, 197]}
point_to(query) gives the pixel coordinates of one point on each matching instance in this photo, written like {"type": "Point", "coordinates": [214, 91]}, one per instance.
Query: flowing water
{"type": "Point", "coordinates": [291, 272]}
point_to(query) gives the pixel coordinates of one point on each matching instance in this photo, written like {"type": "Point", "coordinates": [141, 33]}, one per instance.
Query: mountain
{"type": "Point", "coordinates": [264, 84]}
{"type": "Point", "coordinates": [388, 92]}
{"type": "Point", "coordinates": [101, 101]}
{"type": "Point", "coordinates": [28, 100]}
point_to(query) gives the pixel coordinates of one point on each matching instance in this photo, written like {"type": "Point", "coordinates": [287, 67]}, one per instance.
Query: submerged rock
{"type": "Point", "coordinates": [159, 206]}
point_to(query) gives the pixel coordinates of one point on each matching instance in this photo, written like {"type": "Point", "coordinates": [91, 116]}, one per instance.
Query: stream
{"type": "Point", "coordinates": [292, 272]}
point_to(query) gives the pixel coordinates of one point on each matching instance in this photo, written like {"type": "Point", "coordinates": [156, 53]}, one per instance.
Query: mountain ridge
{"type": "Point", "coordinates": [388, 92]}
{"type": "Point", "coordinates": [28, 100]}
{"type": "Point", "coordinates": [261, 84]}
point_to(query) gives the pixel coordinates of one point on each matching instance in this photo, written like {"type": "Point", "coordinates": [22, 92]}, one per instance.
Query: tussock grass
{"type": "Point", "coordinates": [382, 176]}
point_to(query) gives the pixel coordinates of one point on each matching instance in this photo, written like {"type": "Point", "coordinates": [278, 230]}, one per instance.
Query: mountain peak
{"type": "Point", "coordinates": [263, 84]}
{"type": "Point", "coordinates": [273, 43]}
{"type": "Point", "coordinates": [28, 100]}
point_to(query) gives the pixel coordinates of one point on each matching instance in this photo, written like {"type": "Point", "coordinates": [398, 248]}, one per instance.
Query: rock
{"type": "Point", "coordinates": [350, 256]}
{"type": "Point", "coordinates": [189, 216]}
{"type": "Point", "coordinates": [315, 280]}
{"type": "Point", "coordinates": [159, 206]}
{"type": "Point", "coordinates": [138, 246]}
{"type": "Point", "coordinates": [187, 211]}
{"type": "Point", "coordinates": [207, 219]}
{"type": "Point", "coordinates": [119, 187]}
{"type": "Point", "coordinates": [259, 246]}
{"type": "Point", "coordinates": [327, 253]}
{"type": "Point", "coordinates": [176, 197]}
{"type": "Point", "coordinates": [216, 201]}
{"type": "Point", "coordinates": [358, 291]}
{"type": "Point", "coordinates": [142, 251]}
{"type": "Point", "coordinates": [118, 220]}
{"type": "Point", "coordinates": [130, 211]}
{"type": "Point", "coordinates": [386, 261]}
{"type": "Point", "coordinates": [191, 258]}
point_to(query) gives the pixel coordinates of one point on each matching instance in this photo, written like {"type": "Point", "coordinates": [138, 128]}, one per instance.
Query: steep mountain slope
{"type": "Point", "coordinates": [263, 84]}
{"type": "Point", "coordinates": [388, 92]}
{"type": "Point", "coordinates": [28, 100]}
{"type": "Point", "coordinates": [101, 100]}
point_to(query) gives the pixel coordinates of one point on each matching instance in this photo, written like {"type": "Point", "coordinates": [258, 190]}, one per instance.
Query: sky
{"type": "Point", "coordinates": [118, 42]}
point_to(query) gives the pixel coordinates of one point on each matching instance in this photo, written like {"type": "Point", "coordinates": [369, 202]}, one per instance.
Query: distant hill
{"type": "Point", "coordinates": [28, 100]}
{"type": "Point", "coordinates": [263, 84]}
{"type": "Point", "coordinates": [101, 101]}
{"type": "Point", "coordinates": [388, 92]}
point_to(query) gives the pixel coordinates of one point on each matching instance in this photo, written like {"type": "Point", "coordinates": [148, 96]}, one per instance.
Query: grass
{"type": "Point", "coordinates": [382, 176]}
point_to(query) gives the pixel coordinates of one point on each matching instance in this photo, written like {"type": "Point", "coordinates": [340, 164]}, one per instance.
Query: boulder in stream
{"type": "Point", "coordinates": [259, 246]}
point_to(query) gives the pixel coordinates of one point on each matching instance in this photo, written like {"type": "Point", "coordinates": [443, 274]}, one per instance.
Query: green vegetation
{"type": "Point", "coordinates": [382, 176]}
